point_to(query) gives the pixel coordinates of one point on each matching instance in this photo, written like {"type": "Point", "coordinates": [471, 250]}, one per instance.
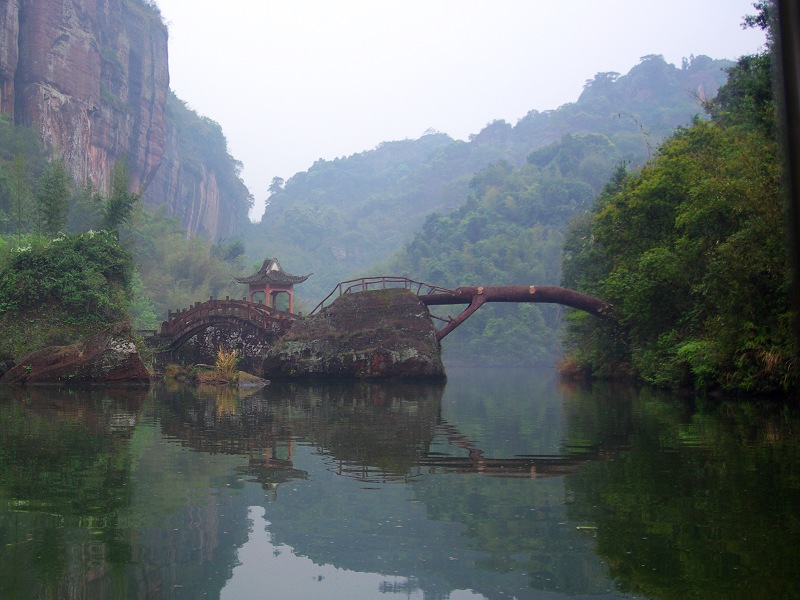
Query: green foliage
{"type": "Point", "coordinates": [56, 290]}
{"type": "Point", "coordinates": [22, 158]}
{"type": "Point", "coordinates": [142, 310]}
{"type": "Point", "coordinates": [175, 271]}
{"type": "Point", "coordinates": [119, 205]}
{"type": "Point", "coordinates": [747, 98]}
{"type": "Point", "coordinates": [690, 250]}
{"type": "Point", "coordinates": [52, 197]}
{"type": "Point", "coordinates": [86, 210]}
{"type": "Point", "coordinates": [87, 274]}
{"type": "Point", "coordinates": [20, 198]}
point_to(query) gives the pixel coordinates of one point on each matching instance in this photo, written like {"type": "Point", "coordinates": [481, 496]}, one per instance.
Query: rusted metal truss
{"type": "Point", "coordinates": [477, 296]}
{"type": "Point", "coordinates": [473, 296]}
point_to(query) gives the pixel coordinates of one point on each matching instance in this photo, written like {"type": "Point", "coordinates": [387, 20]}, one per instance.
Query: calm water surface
{"type": "Point", "coordinates": [499, 484]}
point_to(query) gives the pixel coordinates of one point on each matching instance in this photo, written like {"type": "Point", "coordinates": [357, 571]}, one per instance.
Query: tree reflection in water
{"type": "Point", "coordinates": [503, 484]}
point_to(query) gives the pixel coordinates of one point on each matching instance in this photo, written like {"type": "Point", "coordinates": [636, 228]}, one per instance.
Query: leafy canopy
{"type": "Point", "coordinates": [691, 252]}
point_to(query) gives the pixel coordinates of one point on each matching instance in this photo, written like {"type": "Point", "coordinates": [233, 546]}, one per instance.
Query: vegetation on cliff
{"type": "Point", "coordinates": [40, 202]}
{"type": "Point", "coordinates": [54, 292]}
{"type": "Point", "coordinates": [691, 251]}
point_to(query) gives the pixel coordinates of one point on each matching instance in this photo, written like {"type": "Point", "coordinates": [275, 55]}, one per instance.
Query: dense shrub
{"type": "Point", "coordinates": [87, 277]}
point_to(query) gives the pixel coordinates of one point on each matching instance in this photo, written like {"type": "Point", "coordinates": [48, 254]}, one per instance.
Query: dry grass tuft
{"type": "Point", "coordinates": [226, 363]}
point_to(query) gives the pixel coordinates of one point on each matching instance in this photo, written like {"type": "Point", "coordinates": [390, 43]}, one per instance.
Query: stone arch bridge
{"type": "Point", "coordinates": [473, 296]}
{"type": "Point", "coordinates": [193, 335]}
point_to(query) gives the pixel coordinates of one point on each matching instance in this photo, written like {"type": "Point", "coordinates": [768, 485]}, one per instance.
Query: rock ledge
{"type": "Point", "coordinates": [109, 357]}
{"type": "Point", "coordinates": [383, 334]}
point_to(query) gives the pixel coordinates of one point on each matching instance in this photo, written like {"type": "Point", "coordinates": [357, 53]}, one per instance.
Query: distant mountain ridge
{"type": "Point", "coordinates": [342, 216]}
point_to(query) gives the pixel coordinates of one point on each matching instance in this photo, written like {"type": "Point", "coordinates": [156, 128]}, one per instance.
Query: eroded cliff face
{"type": "Point", "coordinates": [92, 76]}
{"type": "Point", "coordinates": [197, 169]}
{"type": "Point", "coordinates": [9, 53]}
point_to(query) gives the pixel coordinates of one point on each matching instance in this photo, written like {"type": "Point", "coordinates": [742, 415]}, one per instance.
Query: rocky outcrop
{"type": "Point", "coordinates": [384, 334]}
{"type": "Point", "coordinates": [198, 170]}
{"type": "Point", "coordinates": [92, 76]}
{"type": "Point", "coordinates": [110, 357]}
{"type": "Point", "coordinates": [9, 52]}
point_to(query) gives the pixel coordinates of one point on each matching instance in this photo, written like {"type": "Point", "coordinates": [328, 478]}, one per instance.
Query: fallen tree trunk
{"type": "Point", "coordinates": [477, 296]}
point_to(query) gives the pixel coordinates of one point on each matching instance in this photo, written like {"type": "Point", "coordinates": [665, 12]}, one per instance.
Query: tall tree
{"type": "Point", "coordinates": [87, 210]}
{"type": "Point", "coordinates": [276, 185]}
{"type": "Point", "coordinates": [52, 197]}
{"type": "Point", "coordinates": [121, 202]}
{"type": "Point", "coordinates": [19, 183]}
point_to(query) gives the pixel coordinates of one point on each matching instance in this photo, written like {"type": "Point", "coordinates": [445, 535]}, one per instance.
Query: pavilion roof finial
{"type": "Point", "coordinates": [271, 272]}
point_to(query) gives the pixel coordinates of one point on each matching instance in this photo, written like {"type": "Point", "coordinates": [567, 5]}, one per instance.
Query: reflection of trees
{"type": "Point", "coordinates": [63, 464]}
{"type": "Point", "coordinates": [704, 502]}
{"type": "Point", "coordinates": [461, 530]}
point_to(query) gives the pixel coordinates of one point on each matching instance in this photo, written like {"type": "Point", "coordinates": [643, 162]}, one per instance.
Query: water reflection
{"type": "Point", "coordinates": [497, 485]}
{"type": "Point", "coordinates": [64, 470]}
{"type": "Point", "coordinates": [705, 501]}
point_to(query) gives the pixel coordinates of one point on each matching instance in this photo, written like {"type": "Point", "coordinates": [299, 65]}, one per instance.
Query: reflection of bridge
{"type": "Point", "coordinates": [182, 325]}
{"type": "Point", "coordinates": [427, 462]}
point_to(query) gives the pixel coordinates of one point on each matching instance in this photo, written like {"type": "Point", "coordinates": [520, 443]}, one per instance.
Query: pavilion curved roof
{"type": "Point", "coordinates": [271, 272]}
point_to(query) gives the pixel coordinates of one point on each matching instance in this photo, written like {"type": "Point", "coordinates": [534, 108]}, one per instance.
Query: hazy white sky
{"type": "Point", "coordinates": [293, 81]}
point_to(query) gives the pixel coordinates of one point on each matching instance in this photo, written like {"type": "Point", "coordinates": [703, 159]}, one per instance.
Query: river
{"type": "Point", "coordinates": [498, 484]}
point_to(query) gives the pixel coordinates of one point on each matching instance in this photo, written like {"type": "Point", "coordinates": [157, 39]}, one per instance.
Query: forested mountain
{"type": "Point", "coordinates": [341, 216]}
{"type": "Point", "coordinates": [691, 250]}
{"type": "Point", "coordinates": [510, 232]}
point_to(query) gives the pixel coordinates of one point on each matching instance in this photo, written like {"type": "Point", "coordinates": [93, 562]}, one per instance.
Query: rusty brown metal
{"type": "Point", "coordinates": [477, 296]}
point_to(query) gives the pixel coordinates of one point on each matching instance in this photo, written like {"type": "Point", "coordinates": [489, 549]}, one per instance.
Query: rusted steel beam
{"type": "Point", "coordinates": [477, 296]}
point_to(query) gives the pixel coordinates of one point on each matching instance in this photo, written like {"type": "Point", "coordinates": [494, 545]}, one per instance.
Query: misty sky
{"type": "Point", "coordinates": [293, 81]}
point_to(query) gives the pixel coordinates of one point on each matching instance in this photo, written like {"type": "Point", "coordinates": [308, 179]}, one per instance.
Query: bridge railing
{"type": "Point", "coordinates": [381, 282]}
{"type": "Point", "coordinates": [256, 313]}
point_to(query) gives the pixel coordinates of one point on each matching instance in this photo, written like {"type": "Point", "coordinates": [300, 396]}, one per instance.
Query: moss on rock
{"type": "Point", "coordinates": [383, 334]}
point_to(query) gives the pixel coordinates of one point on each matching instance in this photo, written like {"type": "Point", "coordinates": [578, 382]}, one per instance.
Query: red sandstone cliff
{"type": "Point", "coordinates": [92, 76]}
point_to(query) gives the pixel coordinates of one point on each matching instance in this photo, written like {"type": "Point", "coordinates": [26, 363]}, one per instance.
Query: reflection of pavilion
{"type": "Point", "coordinates": [272, 465]}
{"type": "Point", "coordinates": [226, 423]}
{"type": "Point", "coordinates": [270, 282]}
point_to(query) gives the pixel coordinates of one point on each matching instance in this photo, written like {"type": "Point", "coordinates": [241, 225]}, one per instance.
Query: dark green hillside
{"type": "Point", "coordinates": [510, 232]}
{"type": "Point", "coordinates": [341, 216]}
{"type": "Point", "coordinates": [691, 251]}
